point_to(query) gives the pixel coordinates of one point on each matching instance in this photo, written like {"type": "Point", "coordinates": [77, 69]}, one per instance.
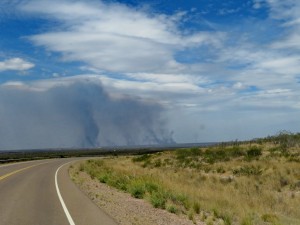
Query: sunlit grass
{"type": "Point", "coordinates": [248, 184]}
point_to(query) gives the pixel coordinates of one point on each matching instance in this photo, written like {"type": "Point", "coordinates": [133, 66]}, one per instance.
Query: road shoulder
{"type": "Point", "coordinates": [125, 209]}
{"type": "Point", "coordinates": [82, 210]}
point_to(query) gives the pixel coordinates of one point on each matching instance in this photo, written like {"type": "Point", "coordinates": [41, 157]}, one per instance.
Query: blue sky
{"type": "Point", "coordinates": [222, 70]}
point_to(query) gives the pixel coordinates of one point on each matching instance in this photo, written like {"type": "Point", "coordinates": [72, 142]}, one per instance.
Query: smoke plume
{"type": "Point", "coordinates": [80, 114]}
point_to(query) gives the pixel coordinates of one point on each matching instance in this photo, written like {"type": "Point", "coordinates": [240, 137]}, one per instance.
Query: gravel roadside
{"type": "Point", "coordinates": [125, 209]}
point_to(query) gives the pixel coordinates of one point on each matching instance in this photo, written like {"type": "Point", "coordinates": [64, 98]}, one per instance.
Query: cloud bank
{"type": "Point", "coordinates": [75, 113]}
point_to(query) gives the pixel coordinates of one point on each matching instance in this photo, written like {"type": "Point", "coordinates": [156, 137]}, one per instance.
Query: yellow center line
{"type": "Point", "coordinates": [17, 171]}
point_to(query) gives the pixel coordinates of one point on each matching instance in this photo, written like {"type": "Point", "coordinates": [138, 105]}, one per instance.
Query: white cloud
{"type": "Point", "coordinates": [15, 64]}
{"type": "Point", "coordinates": [151, 89]}
{"type": "Point", "coordinates": [292, 41]}
{"type": "Point", "coordinates": [114, 37]}
{"type": "Point", "coordinates": [288, 12]}
{"type": "Point", "coordinates": [283, 65]}
{"type": "Point", "coordinates": [132, 52]}
{"type": "Point", "coordinates": [167, 78]}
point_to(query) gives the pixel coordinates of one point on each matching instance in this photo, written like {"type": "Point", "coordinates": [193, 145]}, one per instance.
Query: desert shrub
{"type": "Point", "coordinates": [196, 207]}
{"type": "Point", "coordinates": [220, 169]}
{"type": "Point", "coordinates": [157, 163]}
{"type": "Point", "coordinates": [225, 217]}
{"type": "Point", "coordinates": [81, 167]}
{"type": "Point", "coordinates": [103, 178]}
{"type": "Point", "coordinates": [295, 186]}
{"type": "Point", "coordinates": [210, 220]}
{"type": "Point", "coordinates": [270, 218]}
{"type": "Point", "coordinates": [151, 187]}
{"type": "Point", "coordinates": [294, 158]}
{"type": "Point", "coordinates": [212, 156]}
{"type": "Point", "coordinates": [283, 181]}
{"type": "Point", "coordinates": [182, 154]}
{"type": "Point", "coordinates": [141, 158]}
{"type": "Point", "coordinates": [119, 182]}
{"type": "Point", "coordinates": [235, 151]}
{"type": "Point", "coordinates": [195, 151]}
{"type": "Point", "coordinates": [247, 221]}
{"type": "Point", "coordinates": [137, 189]}
{"type": "Point", "coordinates": [172, 209]}
{"type": "Point", "coordinates": [248, 170]}
{"type": "Point", "coordinates": [180, 199]}
{"type": "Point", "coordinates": [254, 151]}
{"type": "Point", "coordinates": [191, 215]}
{"type": "Point", "coordinates": [158, 200]}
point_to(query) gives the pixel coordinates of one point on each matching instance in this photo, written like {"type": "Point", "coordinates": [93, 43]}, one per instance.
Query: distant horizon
{"type": "Point", "coordinates": [154, 146]}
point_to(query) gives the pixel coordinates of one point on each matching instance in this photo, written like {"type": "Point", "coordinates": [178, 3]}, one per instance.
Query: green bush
{"type": "Point", "coordinates": [236, 151]}
{"type": "Point", "coordinates": [157, 163]}
{"type": "Point", "coordinates": [141, 158]}
{"type": "Point", "coordinates": [191, 153]}
{"type": "Point", "coordinates": [158, 200]}
{"type": "Point", "coordinates": [81, 167]}
{"type": "Point", "coordinates": [120, 182]}
{"type": "Point", "coordinates": [248, 170]}
{"type": "Point", "coordinates": [151, 187]}
{"type": "Point", "coordinates": [172, 209]}
{"type": "Point", "coordinates": [103, 178]}
{"type": "Point", "coordinates": [254, 151]}
{"type": "Point", "coordinates": [191, 215]}
{"type": "Point", "coordinates": [247, 221]}
{"type": "Point", "coordinates": [137, 189]}
{"type": "Point", "coordinates": [270, 218]}
{"type": "Point", "coordinates": [220, 170]}
{"type": "Point", "coordinates": [196, 207]}
{"type": "Point", "coordinates": [195, 151]}
{"type": "Point", "coordinates": [225, 217]}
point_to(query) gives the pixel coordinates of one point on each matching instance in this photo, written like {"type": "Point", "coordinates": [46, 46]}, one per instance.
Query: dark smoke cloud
{"type": "Point", "coordinates": [81, 114]}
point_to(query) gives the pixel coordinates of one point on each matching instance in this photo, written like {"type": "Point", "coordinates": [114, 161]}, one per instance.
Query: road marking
{"type": "Point", "coordinates": [17, 171]}
{"type": "Point", "coordinates": [71, 222]}
{"type": "Point", "coordinates": [18, 163]}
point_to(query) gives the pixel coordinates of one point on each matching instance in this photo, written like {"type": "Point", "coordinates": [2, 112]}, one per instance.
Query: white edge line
{"type": "Point", "coordinates": [71, 222]}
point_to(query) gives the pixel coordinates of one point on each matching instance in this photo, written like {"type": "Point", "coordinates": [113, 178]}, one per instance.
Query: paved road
{"type": "Point", "coordinates": [32, 194]}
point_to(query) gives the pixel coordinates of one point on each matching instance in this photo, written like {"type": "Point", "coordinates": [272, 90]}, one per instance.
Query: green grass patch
{"type": "Point", "coordinates": [248, 171]}
{"type": "Point", "coordinates": [141, 187]}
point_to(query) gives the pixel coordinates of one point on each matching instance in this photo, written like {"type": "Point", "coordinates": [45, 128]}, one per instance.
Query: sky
{"type": "Point", "coordinates": [107, 72]}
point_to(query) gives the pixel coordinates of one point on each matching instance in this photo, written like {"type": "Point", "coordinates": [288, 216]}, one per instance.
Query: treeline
{"type": "Point", "coordinates": [285, 140]}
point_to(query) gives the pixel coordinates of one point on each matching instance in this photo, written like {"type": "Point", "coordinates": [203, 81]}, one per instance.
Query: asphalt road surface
{"type": "Point", "coordinates": [42, 193]}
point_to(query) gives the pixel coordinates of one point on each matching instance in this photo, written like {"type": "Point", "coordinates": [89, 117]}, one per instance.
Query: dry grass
{"type": "Point", "coordinates": [247, 184]}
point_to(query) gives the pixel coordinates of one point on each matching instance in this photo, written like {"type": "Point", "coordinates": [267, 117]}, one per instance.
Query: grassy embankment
{"type": "Point", "coordinates": [245, 183]}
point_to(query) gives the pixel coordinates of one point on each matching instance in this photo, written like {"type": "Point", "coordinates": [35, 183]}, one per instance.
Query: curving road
{"type": "Point", "coordinates": [42, 193]}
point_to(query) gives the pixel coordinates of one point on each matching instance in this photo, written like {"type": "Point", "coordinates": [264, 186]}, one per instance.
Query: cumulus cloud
{"type": "Point", "coordinates": [15, 64]}
{"type": "Point", "coordinates": [75, 113]}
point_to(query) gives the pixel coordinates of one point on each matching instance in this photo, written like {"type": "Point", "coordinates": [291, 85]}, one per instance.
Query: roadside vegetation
{"type": "Point", "coordinates": [246, 183]}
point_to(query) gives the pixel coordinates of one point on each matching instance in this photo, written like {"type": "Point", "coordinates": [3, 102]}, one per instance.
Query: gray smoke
{"type": "Point", "coordinates": [81, 114]}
